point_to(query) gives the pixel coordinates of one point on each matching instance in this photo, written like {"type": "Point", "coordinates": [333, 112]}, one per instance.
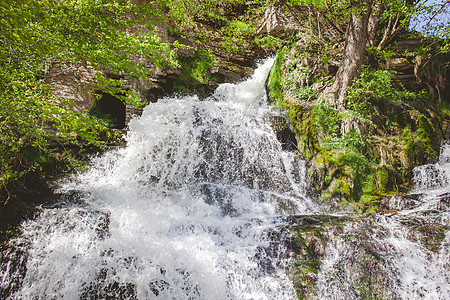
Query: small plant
{"type": "Point", "coordinates": [327, 120]}
{"type": "Point", "coordinates": [235, 35]}
{"type": "Point", "coordinates": [306, 93]}
{"type": "Point", "coordinates": [371, 92]}
{"type": "Point", "coordinates": [196, 70]}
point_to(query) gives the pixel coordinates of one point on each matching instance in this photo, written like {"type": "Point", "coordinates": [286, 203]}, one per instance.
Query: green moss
{"type": "Point", "coordinates": [364, 291]}
{"type": "Point", "coordinates": [274, 80]}
{"type": "Point", "coordinates": [196, 71]}
{"type": "Point", "coordinates": [385, 179]}
{"type": "Point", "coordinates": [393, 130]}
{"type": "Point", "coordinates": [419, 147]}
{"type": "Point", "coordinates": [308, 142]}
{"type": "Point", "coordinates": [342, 188]}
{"type": "Point", "coordinates": [304, 128]}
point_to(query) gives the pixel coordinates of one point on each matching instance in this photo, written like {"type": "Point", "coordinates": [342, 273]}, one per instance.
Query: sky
{"type": "Point", "coordinates": [442, 19]}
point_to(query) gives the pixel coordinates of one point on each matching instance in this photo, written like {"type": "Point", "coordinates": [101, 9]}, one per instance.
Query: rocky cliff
{"type": "Point", "coordinates": [394, 115]}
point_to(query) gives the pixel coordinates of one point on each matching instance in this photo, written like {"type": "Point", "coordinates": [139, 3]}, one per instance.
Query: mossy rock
{"type": "Point", "coordinates": [309, 235]}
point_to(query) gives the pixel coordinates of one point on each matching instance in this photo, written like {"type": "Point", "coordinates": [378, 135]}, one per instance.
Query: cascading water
{"type": "Point", "coordinates": [185, 211]}
{"type": "Point", "coordinates": [190, 209]}
{"type": "Point", "coordinates": [402, 254]}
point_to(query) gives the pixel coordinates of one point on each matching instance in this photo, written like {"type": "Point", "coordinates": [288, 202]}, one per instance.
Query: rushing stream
{"type": "Point", "coordinates": [185, 211]}
{"type": "Point", "coordinates": [192, 208]}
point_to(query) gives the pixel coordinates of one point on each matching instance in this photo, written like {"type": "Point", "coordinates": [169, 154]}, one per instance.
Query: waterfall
{"type": "Point", "coordinates": [403, 254]}
{"type": "Point", "coordinates": [187, 210]}
{"type": "Point", "coordinates": [194, 206]}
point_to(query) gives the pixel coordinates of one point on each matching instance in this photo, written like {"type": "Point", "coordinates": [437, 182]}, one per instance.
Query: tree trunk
{"type": "Point", "coordinates": [353, 57]}
{"type": "Point", "coordinates": [372, 26]}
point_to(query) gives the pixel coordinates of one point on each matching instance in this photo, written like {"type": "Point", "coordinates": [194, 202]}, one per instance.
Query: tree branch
{"type": "Point", "coordinates": [437, 12]}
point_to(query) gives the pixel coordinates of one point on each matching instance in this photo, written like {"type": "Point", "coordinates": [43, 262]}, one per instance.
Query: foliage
{"type": "Point", "coordinates": [106, 34]}
{"type": "Point", "coordinates": [347, 152]}
{"type": "Point", "coordinates": [365, 150]}
{"type": "Point", "coordinates": [445, 109]}
{"type": "Point", "coordinates": [351, 169]}
{"type": "Point", "coordinates": [196, 71]}
{"type": "Point", "coordinates": [107, 120]}
{"type": "Point", "coordinates": [30, 120]}
{"type": "Point", "coordinates": [233, 22]}
{"type": "Point", "coordinates": [420, 146]}
{"type": "Point", "coordinates": [296, 83]}
{"type": "Point", "coordinates": [306, 93]}
{"type": "Point", "coordinates": [40, 38]}
{"type": "Point", "coordinates": [436, 14]}
{"type": "Point", "coordinates": [371, 91]}
{"type": "Point", "coordinates": [328, 119]}
{"type": "Point", "coordinates": [428, 18]}
{"type": "Point", "coordinates": [235, 33]}
{"type": "Point", "coordinates": [274, 80]}
{"type": "Point", "coordinates": [186, 12]}
{"type": "Point", "coordinates": [268, 42]}
{"type": "Point", "coordinates": [376, 93]}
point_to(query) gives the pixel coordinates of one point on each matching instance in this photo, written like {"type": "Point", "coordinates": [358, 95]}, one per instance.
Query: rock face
{"type": "Point", "coordinates": [365, 147]}
{"type": "Point", "coordinates": [160, 84]}
{"type": "Point", "coordinates": [309, 236]}
{"type": "Point", "coordinates": [77, 84]}
{"type": "Point", "coordinates": [278, 21]}
{"type": "Point", "coordinates": [71, 82]}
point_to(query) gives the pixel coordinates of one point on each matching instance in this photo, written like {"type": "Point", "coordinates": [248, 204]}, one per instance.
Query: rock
{"type": "Point", "coordinates": [278, 21]}
{"type": "Point", "coordinates": [72, 82]}
{"type": "Point", "coordinates": [307, 245]}
{"type": "Point", "coordinates": [225, 74]}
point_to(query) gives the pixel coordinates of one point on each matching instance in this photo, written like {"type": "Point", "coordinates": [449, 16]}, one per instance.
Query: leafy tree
{"type": "Point", "coordinates": [374, 23]}
{"type": "Point", "coordinates": [37, 36]}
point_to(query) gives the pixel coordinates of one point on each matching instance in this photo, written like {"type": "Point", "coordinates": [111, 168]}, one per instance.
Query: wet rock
{"type": "Point", "coordinates": [307, 246]}
{"type": "Point", "coordinates": [400, 202]}
{"type": "Point", "coordinates": [430, 233]}
{"type": "Point", "coordinates": [284, 133]}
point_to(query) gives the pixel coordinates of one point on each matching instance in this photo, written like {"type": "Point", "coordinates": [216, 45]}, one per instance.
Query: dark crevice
{"type": "Point", "coordinates": [113, 107]}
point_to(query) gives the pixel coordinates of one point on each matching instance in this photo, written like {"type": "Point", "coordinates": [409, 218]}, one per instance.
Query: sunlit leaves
{"type": "Point", "coordinates": [36, 36]}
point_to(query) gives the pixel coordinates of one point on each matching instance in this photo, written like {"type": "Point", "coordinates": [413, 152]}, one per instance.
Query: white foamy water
{"type": "Point", "coordinates": [185, 211]}
{"type": "Point", "coordinates": [434, 177]}
{"type": "Point", "coordinates": [403, 254]}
